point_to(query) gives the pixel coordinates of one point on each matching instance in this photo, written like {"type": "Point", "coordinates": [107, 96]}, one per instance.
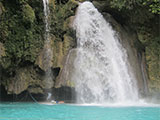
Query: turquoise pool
{"type": "Point", "coordinates": [31, 111]}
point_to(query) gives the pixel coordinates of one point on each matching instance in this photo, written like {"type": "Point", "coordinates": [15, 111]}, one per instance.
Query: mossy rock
{"type": "Point", "coordinates": [60, 34]}
{"type": "Point", "coordinates": [21, 33]}
{"type": "Point", "coordinates": [23, 79]}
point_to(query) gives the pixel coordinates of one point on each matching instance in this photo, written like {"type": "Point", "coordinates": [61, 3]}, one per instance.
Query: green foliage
{"type": "Point", "coordinates": [28, 14]}
{"type": "Point", "coordinates": [58, 17]}
{"type": "Point", "coordinates": [152, 5]}
{"type": "Point", "coordinates": [22, 28]}
{"type": "Point", "coordinates": [20, 32]}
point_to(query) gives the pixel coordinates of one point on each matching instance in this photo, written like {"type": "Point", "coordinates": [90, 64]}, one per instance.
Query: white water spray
{"type": "Point", "coordinates": [46, 14]}
{"type": "Point", "coordinates": [101, 72]}
{"type": "Point", "coordinates": [47, 58]}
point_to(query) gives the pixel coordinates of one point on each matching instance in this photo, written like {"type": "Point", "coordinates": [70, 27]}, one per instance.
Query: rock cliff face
{"type": "Point", "coordinates": [22, 46]}
{"type": "Point", "coordinates": [23, 49]}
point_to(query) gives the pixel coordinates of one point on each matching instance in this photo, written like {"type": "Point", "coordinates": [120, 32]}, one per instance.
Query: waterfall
{"type": "Point", "coordinates": [46, 14]}
{"type": "Point", "coordinates": [102, 73]}
{"type": "Point", "coordinates": [47, 58]}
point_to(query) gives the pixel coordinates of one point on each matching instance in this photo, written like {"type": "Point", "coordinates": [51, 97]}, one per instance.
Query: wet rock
{"type": "Point", "coordinates": [44, 60]}
{"type": "Point", "coordinates": [64, 78]}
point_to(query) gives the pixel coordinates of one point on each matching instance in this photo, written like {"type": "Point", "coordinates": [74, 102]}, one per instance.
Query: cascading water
{"type": "Point", "coordinates": [46, 14]}
{"type": "Point", "coordinates": [101, 72]}
{"type": "Point", "coordinates": [47, 58]}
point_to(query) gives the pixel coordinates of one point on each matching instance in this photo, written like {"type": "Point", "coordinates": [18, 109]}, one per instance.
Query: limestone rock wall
{"type": "Point", "coordinates": [22, 44]}
{"type": "Point", "coordinates": [22, 48]}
